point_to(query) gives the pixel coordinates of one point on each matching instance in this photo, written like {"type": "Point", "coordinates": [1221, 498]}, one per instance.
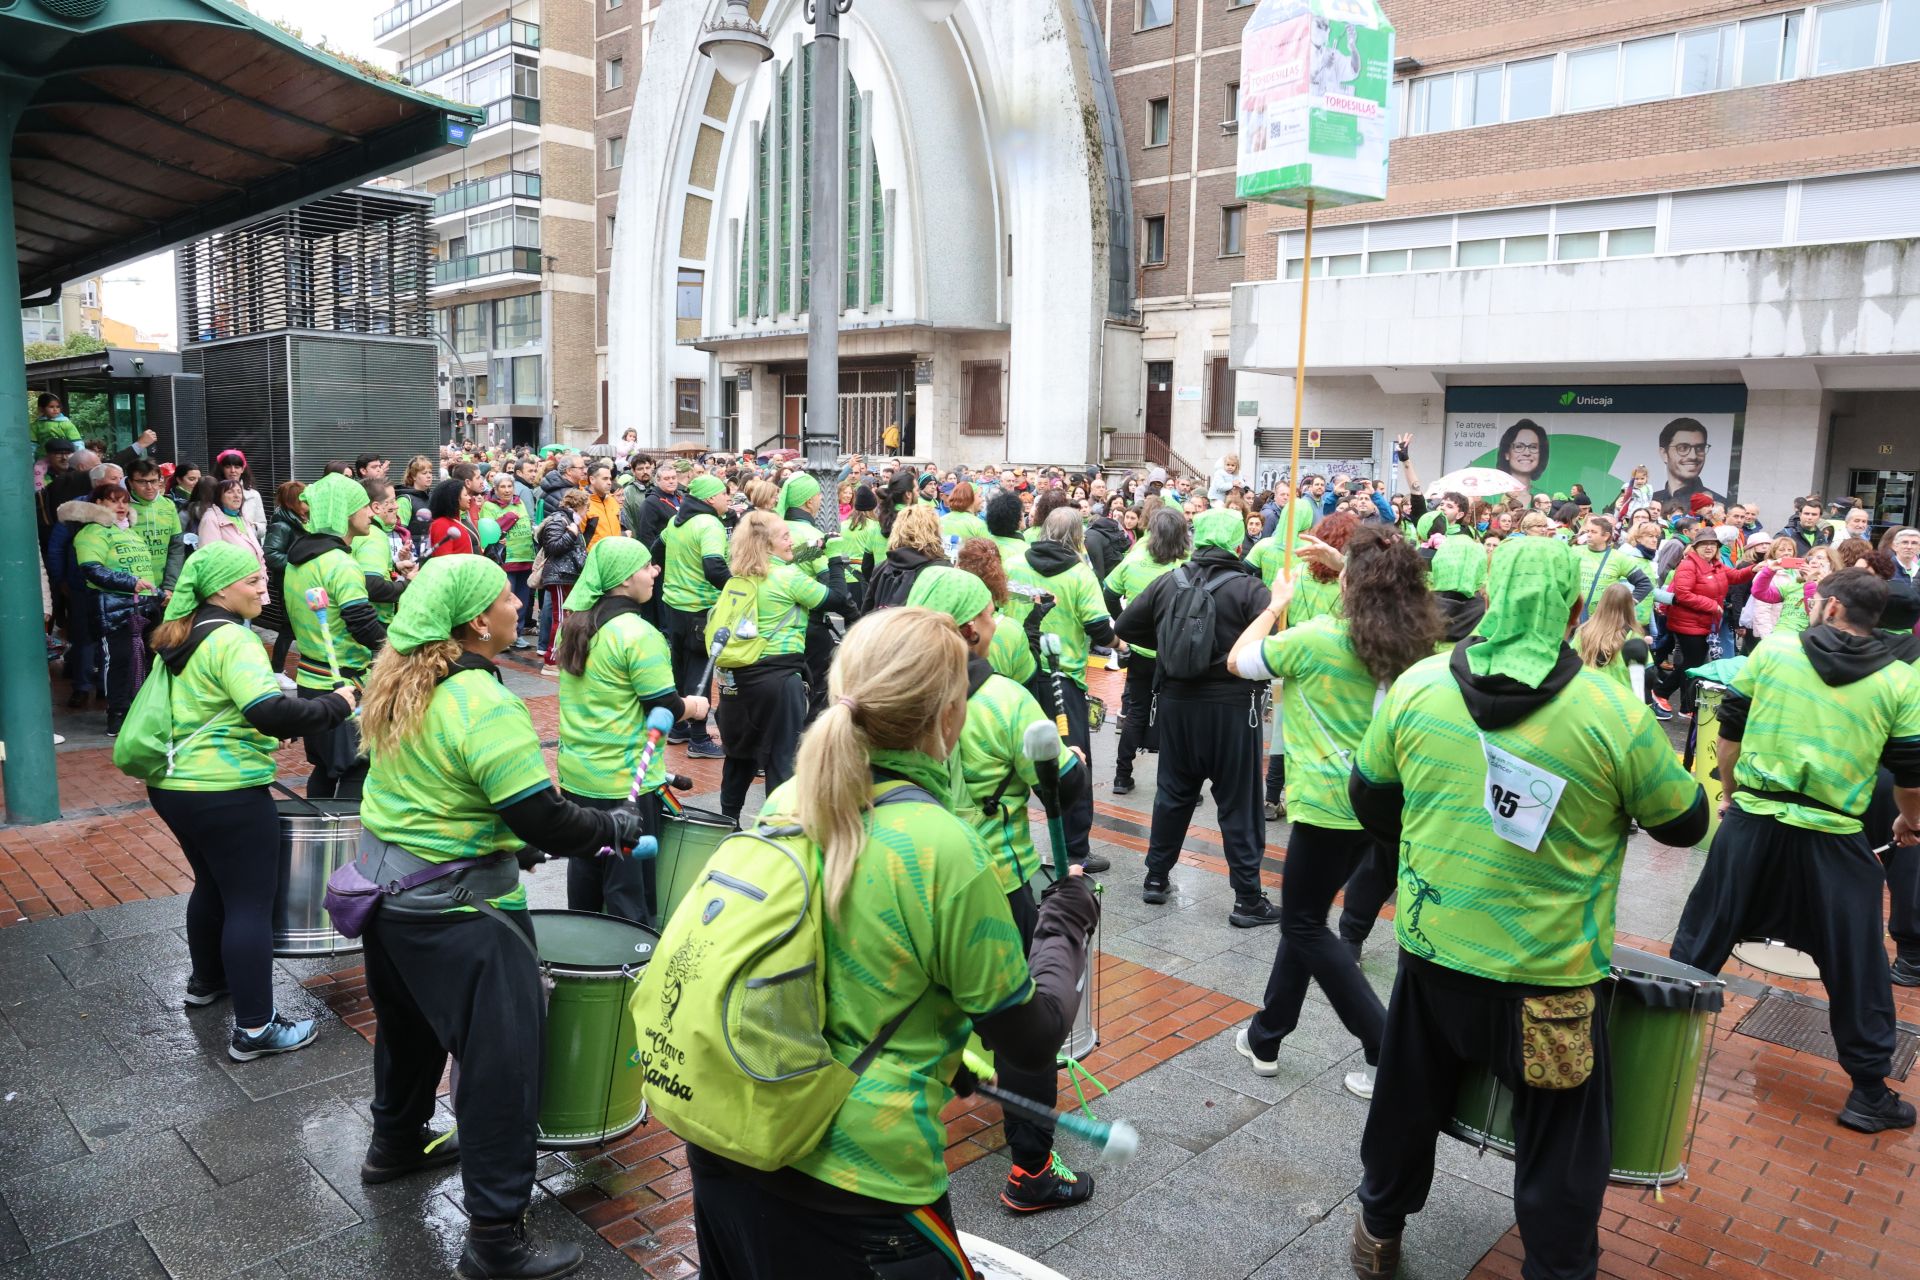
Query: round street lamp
{"type": "Point", "coordinates": [736, 43]}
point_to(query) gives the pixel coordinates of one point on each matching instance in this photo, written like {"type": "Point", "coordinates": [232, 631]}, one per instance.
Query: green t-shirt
{"type": "Point", "coordinates": [806, 534]}
{"type": "Point", "coordinates": [962, 525]}
{"type": "Point", "coordinates": [923, 921]}
{"type": "Point", "coordinates": [227, 673]}
{"type": "Point", "coordinates": [439, 794]}
{"type": "Point", "coordinates": [1011, 549]}
{"type": "Point", "coordinates": [1134, 574]}
{"type": "Point", "coordinates": [1793, 603]}
{"type": "Point", "coordinates": [857, 543]}
{"type": "Point", "coordinates": [990, 754]}
{"type": "Point", "coordinates": [683, 583]}
{"type": "Point", "coordinates": [373, 552]}
{"type": "Point", "coordinates": [1009, 653]}
{"type": "Point", "coordinates": [158, 524]}
{"type": "Point", "coordinates": [1267, 555]}
{"type": "Point", "coordinates": [1599, 570]}
{"type": "Point", "coordinates": [1822, 740]}
{"type": "Point", "coordinates": [786, 595]}
{"type": "Point", "coordinates": [345, 582]}
{"type": "Point", "coordinates": [1313, 599]}
{"type": "Point", "coordinates": [1077, 604]}
{"type": "Point", "coordinates": [116, 548]}
{"type": "Point", "coordinates": [518, 540]}
{"type": "Point", "coordinates": [1471, 900]}
{"type": "Point", "coordinates": [602, 724]}
{"type": "Point", "coordinates": [1327, 702]}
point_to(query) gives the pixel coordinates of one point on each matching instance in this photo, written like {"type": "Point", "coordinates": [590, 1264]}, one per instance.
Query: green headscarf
{"type": "Point", "coordinates": [208, 571]}
{"type": "Point", "coordinates": [611, 562]}
{"type": "Point", "coordinates": [447, 591]}
{"type": "Point", "coordinates": [1459, 565]}
{"type": "Point", "coordinates": [1303, 515]}
{"type": "Point", "coordinates": [1423, 527]}
{"type": "Point", "coordinates": [330, 501]}
{"type": "Point", "coordinates": [954, 592]}
{"type": "Point", "coordinates": [798, 491]}
{"type": "Point", "coordinates": [1226, 529]}
{"type": "Point", "coordinates": [1530, 591]}
{"type": "Point", "coordinates": [705, 488]}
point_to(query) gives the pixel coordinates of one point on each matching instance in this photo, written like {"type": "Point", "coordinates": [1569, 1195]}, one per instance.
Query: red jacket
{"type": "Point", "coordinates": [1700, 593]}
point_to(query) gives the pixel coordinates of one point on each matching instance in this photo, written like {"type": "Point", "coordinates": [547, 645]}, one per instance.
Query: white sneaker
{"type": "Point", "coordinates": [1269, 1067]}
{"type": "Point", "coordinates": [1360, 1084]}
{"type": "Point", "coordinates": [286, 683]}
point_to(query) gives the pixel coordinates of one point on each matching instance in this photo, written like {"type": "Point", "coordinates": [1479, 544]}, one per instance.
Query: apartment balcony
{"type": "Point", "coordinates": [413, 23]}
{"type": "Point", "coordinates": [469, 197]}
{"type": "Point", "coordinates": [489, 270]}
{"type": "Point", "coordinates": [525, 35]}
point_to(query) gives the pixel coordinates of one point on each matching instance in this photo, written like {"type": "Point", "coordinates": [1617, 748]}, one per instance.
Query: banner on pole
{"type": "Point", "coordinates": [1315, 76]}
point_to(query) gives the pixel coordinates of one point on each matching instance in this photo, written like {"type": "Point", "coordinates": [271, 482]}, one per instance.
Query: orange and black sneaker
{"type": "Point", "coordinates": [1054, 1187]}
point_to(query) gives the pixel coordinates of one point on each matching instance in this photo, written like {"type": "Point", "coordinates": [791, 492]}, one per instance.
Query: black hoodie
{"type": "Point", "coordinates": [1106, 545]}
{"type": "Point", "coordinates": [1459, 614]}
{"type": "Point", "coordinates": [1050, 559]}
{"type": "Point", "coordinates": [1234, 607]}
{"type": "Point", "coordinates": [892, 580]}
{"type": "Point", "coordinates": [362, 623]}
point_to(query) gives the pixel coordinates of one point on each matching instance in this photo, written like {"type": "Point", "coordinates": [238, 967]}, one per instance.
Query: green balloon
{"type": "Point", "coordinates": [489, 531]}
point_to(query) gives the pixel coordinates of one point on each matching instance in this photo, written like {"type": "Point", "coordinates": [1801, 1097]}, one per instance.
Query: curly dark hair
{"type": "Point", "coordinates": [1334, 530]}
{"type": "Point", "coordinates": [1391, 619]}
{"type": "Point", "coordinates": [981, 558]}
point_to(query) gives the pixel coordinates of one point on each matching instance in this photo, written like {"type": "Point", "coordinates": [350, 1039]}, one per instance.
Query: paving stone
{"type": "Point", "coordinates": [112, 1113]}
{"type": "Point", "coordinates": [76, 1197]}
{"type": "Point", "coordinates": [1233, 973]}
{"type": "Point", "coordinates": [1198, 933]}
{"type": "Point", "coordinates": [1190, 1110]}
{"type": "Point", "coordinates": [117, 1253]}
{"type": "Point", "coordinates": [156, 1037]}
{"type": "Point", "coordinates": [34, 1131]}
{"type": "Point", "coordinates": [337, 1050]}
{"type": "Point", "coordinates": [29, 977]}
{"type": "Point", "coordinates": [70, 1014]}
{"type": "Point", "coordinates": [1460, 1223]}
{"type": "Point", "coordinates": [78, 1063]}
{"type": "Point", "coordinates": [1469, 1164]}
{"type": "Point", "coordinates": [55, 933]}
{"type": "Point", "coordinates": [976, 1194]}
{"type": "Point", "coordinates": [12, 1244]}
{"type": "Point", "coordinates": [130, 919]}
{"type": "Point", "coordinates": [1322, 1251]}
{"type": "Point", "coordinates": [114, 957]}
{"type": "Point", "coordinates": [241, 1140]}
{"type": "Point", "coordinates": [1217, 1060]}
{"type": "Point", "coordinates": [216, 1234]}
{"type": "Point", "coordinates": [1118, 944]}
{"type": "Point", "coordinates": [429, 1245]}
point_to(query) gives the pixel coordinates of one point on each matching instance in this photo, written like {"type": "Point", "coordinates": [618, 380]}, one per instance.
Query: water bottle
{"type": "Point", "coordinates": [953, 548]}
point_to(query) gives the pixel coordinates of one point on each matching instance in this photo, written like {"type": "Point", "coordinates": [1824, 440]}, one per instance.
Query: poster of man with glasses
{"type": "Point", "coordinates": [1684, 450]}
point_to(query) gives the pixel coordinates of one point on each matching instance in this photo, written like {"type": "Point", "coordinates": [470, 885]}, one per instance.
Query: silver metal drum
{"type": "Point", "coordinates": [316, 838]}
{"type": "Point", "coordinates": [1085, 1034]}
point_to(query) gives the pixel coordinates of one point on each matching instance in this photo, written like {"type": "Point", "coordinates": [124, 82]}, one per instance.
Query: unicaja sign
{"type": "Point", "coordinates": [1571, 399]}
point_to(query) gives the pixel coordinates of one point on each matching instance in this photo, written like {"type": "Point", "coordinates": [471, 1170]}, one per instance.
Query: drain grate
{"type": "Point", "coordinates": [1800, 1022]}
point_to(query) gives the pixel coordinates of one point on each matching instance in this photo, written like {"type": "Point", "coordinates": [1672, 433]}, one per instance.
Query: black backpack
{"type": "Point", "coordinates": [1183, 635]}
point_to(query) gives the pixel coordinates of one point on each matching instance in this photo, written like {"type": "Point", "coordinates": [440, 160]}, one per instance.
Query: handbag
{"type": "Point", "coordinates": [351, 898]}
{"type": "Point", "coordinates": [536, 577]}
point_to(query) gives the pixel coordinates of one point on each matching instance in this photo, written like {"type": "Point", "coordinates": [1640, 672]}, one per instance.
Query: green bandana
{"type": "Point", "coordinates": [1302, 514]}
{"type": "Point", "coordinates": [330, 501]}
{"type": "Point", "coordinates": [1531, 589]}
{"type": "Point", "coordinates": [611, 562]}
{"type": "Point", "coordinates": [1225, 529]}
{"type": "Point", "coordinates": [1424, 526]}
{"type": "Point", "coordinates": [447, 591]}
{"type": "Point", "coordinates": [798, 491]}
{"type": "Point", "coordinates": [705, 488]}
{"type": "Point", "coordinates": [208, 571]}
{"type": "Point", "coordinates": [1459, 566]}
{"type": "Point", "coordinates": [954, 592]}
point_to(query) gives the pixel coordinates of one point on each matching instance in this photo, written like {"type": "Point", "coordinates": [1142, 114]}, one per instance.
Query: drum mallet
{"type": "Point", "coordinates": [720, 639]}
{"type": "Point", "coordinates": [659, 721]}
{"type": "Point", "coordinates": [1041, 745]}
{"type": "Point", "coordinates": [1117, 1140]}
{"type": "Point", "coordinates": [1050, 648]}
{"type": "Point", "coordinates": [318, 602]}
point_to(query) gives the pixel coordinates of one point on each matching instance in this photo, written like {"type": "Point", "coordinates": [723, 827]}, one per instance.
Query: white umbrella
{"type": "Point", "coordinates": [1478, 482]}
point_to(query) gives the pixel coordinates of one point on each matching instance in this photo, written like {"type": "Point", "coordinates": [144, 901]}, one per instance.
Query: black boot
{"type": "Point", "coordinates": [389, 1160]}
{"type": "Point", "coordinates": [504, 1251]}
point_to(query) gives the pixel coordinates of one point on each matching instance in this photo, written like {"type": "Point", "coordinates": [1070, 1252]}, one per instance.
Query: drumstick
{"type": "Point", "coordinates": [317, 601]}
{"type": "Point", "coordinates": [659, 720]}
{"type": "Point", "coordinates": [1050, 647]}
{"type": "Point", "coordinates": [1118, 1140]}
{"type": "Point", "coordinates": [1041, 745]}
{"type": "Point", "coordinates": [720, 639]}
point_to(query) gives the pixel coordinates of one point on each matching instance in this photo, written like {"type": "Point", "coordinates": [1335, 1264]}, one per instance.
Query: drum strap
{"type": "Point", "coordinates": [1800, 798]}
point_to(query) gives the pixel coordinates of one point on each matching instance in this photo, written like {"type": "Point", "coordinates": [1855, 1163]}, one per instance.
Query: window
{"type": "Point", "coordinates": [1386, 262]}
{"type": "Point", "coordinates": [615, 4]}
{"type": "Point", "coordinates": [1576, 247]}
{"type": "Point", "coordinates": [1646, 69]}
{"type": "Point", "coordinates": [1159, 122]}
{"type": "Point", "coordinates": [1344, 264]}
{"type": "Point", "coordinates": [472, 327]}
{"type": "Point", "coordinates": [1221, 389]}
{"type": "Point", "coordinates": [687, 294]}
{"type": "Point", "coordinates": [1233, 231]}
{"type": "Point", "coordinates": [1525, 249]}
{"type": "Point", "coordinates": [1479, 253]}
{"type": "Point", "coordinates": [616, 72]}
{"type": "Point", "coordinates": [89, 294]}
{"type": "Point", "coordinates": [686, 404]}
{"type": "Point", "coordinates": [1433, 258]}
{"type": "Point", "coordinates": [1529, 88]}
{"type": "Point", "coordinates": [1154, 13]}
{"type": "Point", "coordinates": [1153, 241]}
{"type": "Point", "coordinates": [1845, 36]}
{"type": "Point", "coordinates": [1233, 103]}
{"type": "Point", "coordinates": [1706, 60]}
{"type": "Point", "coordinates": [1769, 49]}
{"type": "Point", "coordinates": [1591, 76]}
{"type": "Point", "coordinates": [985, 414]}
{"type": "Point", "coordinates": [517, 381]}
{"type": "Point", "coordinates": [502, 229]}
{"type": "Point", "coordinates": [1481, 96]}
{"type": "Point", "coordinates": [516, 321]}
{"type": "Point", "coordinates": [1629, 242]}
{"type": "Point", "coordinates": [616, 152]}
{"type": "Point", "coordinates": [1903, 31]}
{"type": "Point", "coordinates": [613, 220]}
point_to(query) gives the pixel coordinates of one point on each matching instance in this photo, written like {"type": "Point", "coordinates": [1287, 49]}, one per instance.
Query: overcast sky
{"type": "Point", "coordinates": [141, 293]}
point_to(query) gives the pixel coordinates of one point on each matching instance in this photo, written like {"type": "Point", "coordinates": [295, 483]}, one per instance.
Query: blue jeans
{"type": "Point", "coordinates": [517, 579]}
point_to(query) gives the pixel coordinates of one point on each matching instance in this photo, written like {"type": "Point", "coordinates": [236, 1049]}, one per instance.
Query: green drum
{"type": "Point", "coordinates": [687, 840]}
{"type": "Point", "coordinates": [1658, 1015]}
{"type": "Point", "coordinates": [591, 1087]}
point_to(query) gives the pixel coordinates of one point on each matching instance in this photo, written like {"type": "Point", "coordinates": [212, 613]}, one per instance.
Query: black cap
{"type": "Point", "coordinates": [864, 499]}
{"type": "Point", "coordinates": [60, 444]}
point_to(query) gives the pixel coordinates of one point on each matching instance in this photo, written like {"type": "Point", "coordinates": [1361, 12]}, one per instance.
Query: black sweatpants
{"type": "Point", "coordinates": [116, 648]}
{"type": "Point", "coordinates": [1076, 819]}
{"type": "Point", "coordinates": [1440, 1021]}
{"type": "Point", "coordinates": [687, 640]}
{"type": "Point", "coordinates": [1029, 1142]}
{"type": "Point", "coordinates": [1367, 890]}
{"type": "Point", "coordinates": [1688, 651]}
{"type": "Point", "coordinates": [461, 985]}
{"type": "Point", "coordinates": [614, 885]}
{"type": "Point", "coordinates": [747, 1232]}
{"type": "Point", "coordinates": [1319, 861]}
{"type": "Point", "coordinates": [231, 839]}
{"type": "Point", "coordinates": [1138, 729]}
{"type": "Point", "coordinates": [1276, 777]}
{"type": "Point", "coordinates": [1816, 892]}
{"type": "Point", "coordinates": [819, 662]}
{"type": "Point", "coordinates": [1218, 743]}
{"type": "Point", "coordinates": [1903, 870]}
{"type": "Point", "coordinates": [761, 713]}
{"type": "Point", "coordinates": [339, 770]}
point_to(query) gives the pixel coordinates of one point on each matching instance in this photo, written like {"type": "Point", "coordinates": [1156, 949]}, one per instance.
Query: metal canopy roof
{"type": "Point", "coordinates": [157, 121]}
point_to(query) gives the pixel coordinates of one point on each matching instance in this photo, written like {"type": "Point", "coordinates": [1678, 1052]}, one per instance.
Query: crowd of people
{"type": "Point", "coordinates": [1453, 698]}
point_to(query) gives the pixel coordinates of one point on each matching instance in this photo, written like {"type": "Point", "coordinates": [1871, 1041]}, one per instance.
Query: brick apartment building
{"type": "Point", "coordinates": [1653, 209]}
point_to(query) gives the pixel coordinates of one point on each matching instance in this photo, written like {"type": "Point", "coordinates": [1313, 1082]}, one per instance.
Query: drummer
{"type": "Point", "coordinates": [998, 777]}
{"type": "Point", "coordinates": [225, 715]}
{"type": "Point", "coordinates": [338, 511]}
{"type": "Point", "coordinates": [1502, 926]}
{"type": "Point", "coordinates": [457, 777]}
{"type": "Point", "coordinates": [615, 668]}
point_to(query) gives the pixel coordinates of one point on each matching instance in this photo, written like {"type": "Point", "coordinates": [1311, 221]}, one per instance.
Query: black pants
{"type": "Point", "coordinates": [117, 648]}
{"type": "Point", "coordinates": [1319, 861]}
{"type": "Point", "coordinates": [461, 985]}
{"type": "Point", "coordinates": [1903, 870]}
{"type": "Point", "coordinates": [1814, 891]}
{"type": "Point", "coordinates": [616, 886]}
{"type": "Point", "coordinates": [1138, 729]}
{"type": "Point", "coordinates": [1076, 819]}
{"type": "Point", "coordinates": [1440, 1021]}
{"type": "Point", "coordinates": [686, 638]}
{"type": "Point", "coordinates": [819, 662]}
{"type": "Point", "coordinates": [1276, 777]}
{"type": "Point", "coordinates": [231, 839]}
{"type": "Point", "coordinates": [339, 770]}
{"type": "Point", "coordinates": [1688, 651]}
{"type": "Point", "coordinates": [83, 641]}
{"type": "Point", "coordinates": [1029, 1142]}
{"type": "Point", "coordinates": [1367, 890]}
{"type": "Point", "coordinates": [747, 1232]}
{"type": "Point", "coordinates": [1218, 743]}
{"type": "Point", "coordinates": [282, 646]}
{"type": "Point", "coordinates": [761, 714]}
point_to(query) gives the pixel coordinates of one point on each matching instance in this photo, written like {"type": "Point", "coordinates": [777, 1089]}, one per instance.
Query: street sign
{"type": "Point", "coordinates": [1313, 438]}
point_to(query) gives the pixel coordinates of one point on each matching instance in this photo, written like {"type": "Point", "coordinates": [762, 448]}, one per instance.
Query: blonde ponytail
{"type": "Point", "coordinates": [896, 674]}
{"type": "Point", "coordinates": [398, 689]}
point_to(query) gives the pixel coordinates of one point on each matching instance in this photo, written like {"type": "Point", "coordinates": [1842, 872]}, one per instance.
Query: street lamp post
{"type": "Point", "coordinates": [738, 45]}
